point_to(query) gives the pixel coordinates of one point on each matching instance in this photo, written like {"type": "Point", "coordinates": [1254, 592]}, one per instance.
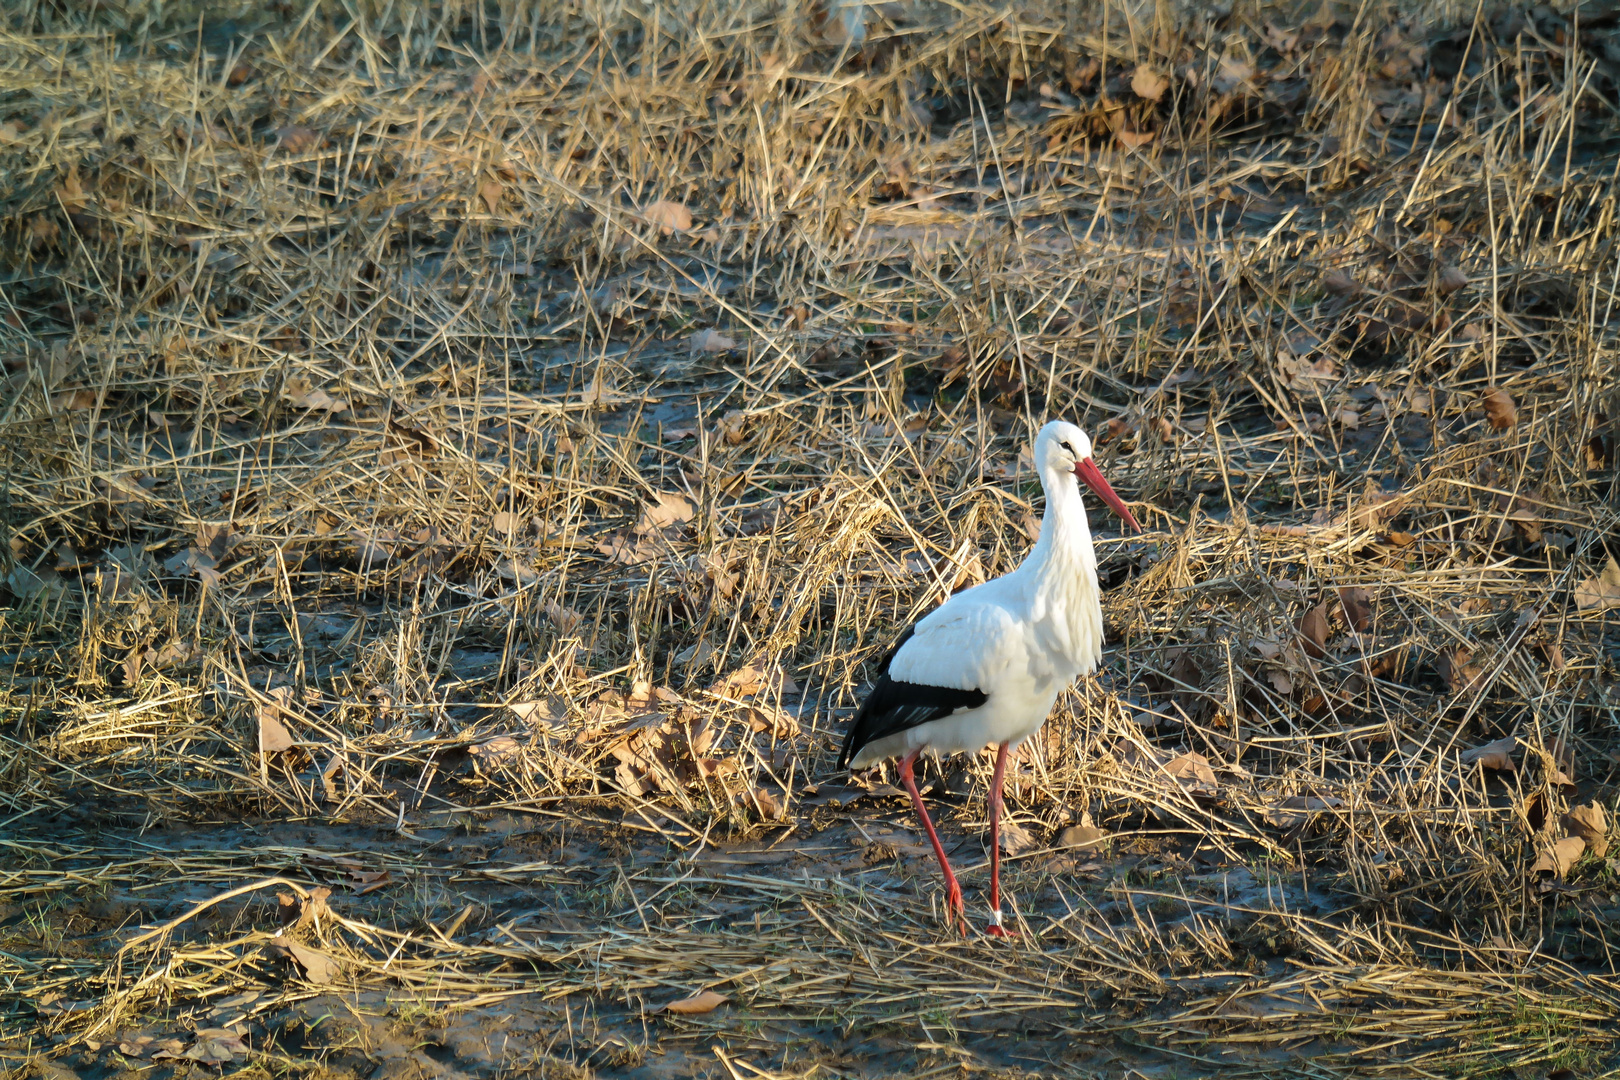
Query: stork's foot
{"type": "Point", "coordinates": [955, 909]}
{"type": "Point", "coordinates": [996, 929]}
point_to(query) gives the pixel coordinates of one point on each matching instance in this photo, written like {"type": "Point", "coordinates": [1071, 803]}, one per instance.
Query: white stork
{"type": "Point", "coordinates": [987, 665]}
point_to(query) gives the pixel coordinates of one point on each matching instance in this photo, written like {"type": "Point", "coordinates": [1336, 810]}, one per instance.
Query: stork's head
{"type": "Point", "coordinates": [1063, 448]}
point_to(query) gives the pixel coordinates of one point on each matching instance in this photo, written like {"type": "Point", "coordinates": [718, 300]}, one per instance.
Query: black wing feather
{"type": "Point", "coordinates": [894, 706]}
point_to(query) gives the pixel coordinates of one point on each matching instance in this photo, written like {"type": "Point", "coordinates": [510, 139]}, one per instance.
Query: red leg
{"type": "Point", "coordinates": [995, 929]}
{"type": "Point", "coordinates": [953, 891]}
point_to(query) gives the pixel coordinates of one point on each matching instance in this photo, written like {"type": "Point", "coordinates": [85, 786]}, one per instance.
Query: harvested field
{"type": "Point", "coordinates": [461, 464]}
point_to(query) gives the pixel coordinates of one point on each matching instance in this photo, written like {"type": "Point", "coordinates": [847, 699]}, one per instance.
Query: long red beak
{"type": "Point", "coordinates": [1087, 471]}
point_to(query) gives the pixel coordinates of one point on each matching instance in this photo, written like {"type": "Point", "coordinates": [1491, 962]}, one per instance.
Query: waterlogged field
{"type": "Point", "coordinates": [463, 462]}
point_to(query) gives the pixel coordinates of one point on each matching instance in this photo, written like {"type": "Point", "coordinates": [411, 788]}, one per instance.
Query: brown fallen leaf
{"type": "Point", "coordinates": [1085, 836]}
{"type": "Point", "coordinates": [550, 712]}
{"type": "Point", "coordinates": [1295, 809]}
{"type": "Point", "coordinates": [369, 881]}
{"type": "Point", "coordinates": [1313, 631]}
{"type": "Point", "coordinates": [751, 680]}
{"type": "Point", "coordinates": [565, 619]}
{"type": "Point", "coordinates": [669, 216]}
{"type": "Point", "coordinates": [1563, 756]}
{"type": "Point", "coordinates": [1558, 859]}
{"type": "Point", "coordinates": [1602, 591]}
{"type": "Point", "coordinates": [1231, 74]}
{"type": "Point", "coordinates": [667, 508]}
{"type": "Point", "coordinates": [214, 1046]}
{"type": "Point", "coordinates": [1457, 668]}
{"type": "Point", "coordinates": [1015, 839]}
{"type": "Point", "coordinates": [74, 401]}
{"type": "Point", "coordinates": [770, 807]}
{"type": "Point", "coordinates": [733, 427]}
{"type": "Point", "coordinates": [710, 341]}
{"type": "Point", "coordinates": [317, 967]}
{"type": "Point", "coordinates": [1148, 84]}
{"type": "Point", "coordinates": [1134, 140]}
{"type": "Point", "coordinates": [497, 751]}
{"type": "Point", "coordinates": [490, 192]}
{"type": "Point", "coordinates": [1357, 608]}
{"type": "Point", "coordinates": [298, 393]}
{"type": "Point", "coordinates": [1340, 283]}
{"type": "Point", "coordinates": [297, 912]}
{"type": "Point", "coordinates": [1500, 410]}
{"type": "Point", "coordinates": [1194, 773]}
{"type": "Point", "coordinates": [296, 138]}
{"type": "Point", "coordinates": [697, 1004]}
{"type": "Point", "coordinates": [1496, 755]}
{"type": "Point", "coordinates": [1591, 824]}
{"type": "Point", "coordinates": [274, 738]}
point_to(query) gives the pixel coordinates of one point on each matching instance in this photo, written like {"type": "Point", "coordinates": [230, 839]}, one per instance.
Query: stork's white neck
{"type": "Point", "coordinates": [1062, 570]}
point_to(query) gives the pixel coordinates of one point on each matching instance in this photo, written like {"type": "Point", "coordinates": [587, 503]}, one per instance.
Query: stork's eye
{"type": "Point", "coordinates": [1066, 446]}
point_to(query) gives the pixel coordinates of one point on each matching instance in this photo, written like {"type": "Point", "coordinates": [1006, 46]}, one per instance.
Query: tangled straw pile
{"type": "Point", "coordinates": [415, 414]}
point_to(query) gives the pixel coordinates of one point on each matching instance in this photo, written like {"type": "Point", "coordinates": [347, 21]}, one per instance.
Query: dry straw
{"type": "Point", "coordinates": [418, 417]}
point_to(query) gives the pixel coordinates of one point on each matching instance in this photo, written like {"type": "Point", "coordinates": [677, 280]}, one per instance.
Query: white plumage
{"type": "Point", "coordinates": [987, 665]}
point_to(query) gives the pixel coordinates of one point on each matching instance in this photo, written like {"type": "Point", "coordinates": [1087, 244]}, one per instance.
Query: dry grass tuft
{"type": "Point", "coordinates": [461, 460]}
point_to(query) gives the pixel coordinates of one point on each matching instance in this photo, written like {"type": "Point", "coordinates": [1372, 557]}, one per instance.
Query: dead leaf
{"type": "Point", "coordinates": [1085, 835]}
{"type": "Point", "coordinates": [506, 523]}
{"type": "Point", "coordinates": [216, 1046]}
{"type": "Point", "coordinates": [1340, 283]}
{"type": "Point", "coordinates": [74, 401]}
{"type": "Point", "coordinates": [781, 725]}
{"type": "Point", "coordinates": [1500, 410]}
{"type": "Point", "coordinates": [274, 738]}
{"type": "Point", "coordinates": [298, 393]}
{"type": "Point", "coordinates": [699, 655]}
{"type": "Point", "coordinates": [752, 680]}
{"type": "Point", "coordinates": [490, 192]}
{"type": "Point", "coordinates": [1457, 668]}
{"type": "Point", "coordinates": [369, 881]}
{"type": "Point", "coordinates": [1558, 859]}
{"type": "Point", "coordinates": [1563, 757]}
{"type": "Point", "coordinates": [1357, 608]}
{"type": "Point", "coordinates": [565, 619]}
{"type": "Point", "coordinates": [168, 1048]}
{"type": "Point", "coordinates": [1231, 73]}
{"type": "Point", "coordinates": [710, 341]}
{"type": "Point", "coordinates": [497, 751]}
{"type": "Point", "coordinates": [669, 216]}
{"type": "Point", "coordinates": [1134, 140]}
{"type": "Point", "coordinates": [667, 508]}
{"type": "Point", "coordinates": [297, 139]}
{"type": "Point", "coordinates": [1496, 755]}
{"type": "Point", "coordinates": [1148, 84]}
{"type": "Point", "coordinates": [1299, 371]}
{"type": "Point", "coordinates": [317, 967]}
{"type": "Point", "coordinates": [1591, 824]}
{"type": "Point", "coordinates": [1602, 591]}
{"type": "Point", "coordinates": [1015, 839]}
{"type": "Point", "coordinates": [551, 712]}
{"type": "Point", "coordinates": [1193, 772]}
{"type": "Point", "coordinates": [770, 807]}
{"type": "Point", "coordinates": [705, 1002]}
{"type": "Point", "coordinates": [1295, 809]}
{"type": "Point", "coordinates": [1313, 631]}
{"type": "Point", "coordinates": [733, 427]}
